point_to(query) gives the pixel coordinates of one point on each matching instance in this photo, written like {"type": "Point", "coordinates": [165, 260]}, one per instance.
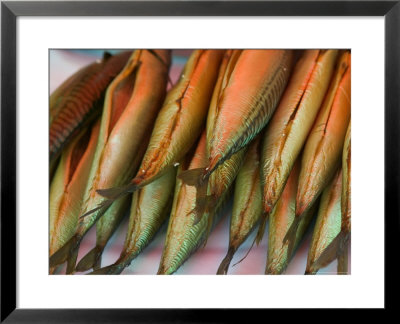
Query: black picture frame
{"type": "Point", "coordinates": [10, 10]}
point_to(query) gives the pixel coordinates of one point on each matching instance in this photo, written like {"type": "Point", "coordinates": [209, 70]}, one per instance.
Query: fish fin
{"type": "Point", "coordinates": [193, 177]}
{"type": "Point", "coordinates": [90, 260]}
{"type": "Point", "coordinates": [203, 205]}
{"type": "Point", "coordinates": [290, 237]}
{"type": "Point", "coordinates": [64, 252]}
{"type": "Point", "coordinates": [334, 250]}
{"type": "Point", "coordinates": [117, 192]}
{"type": "Point", "coordinates": [113, 269]}
{"type": "Point", "coordinates": [310, 272]}
{"type": "Point", "coordinates": [224, 266]}
{"type": "Point", "coordinates": [261, 228]}
{"type": "Point", "coordinates": [252, 244]}
{"type": "Point", "coordinates": [71, 262]}
{"type": "Point", "coordinates": [343, 258]}
{"type": "Point", "coordinates": [105, 204]}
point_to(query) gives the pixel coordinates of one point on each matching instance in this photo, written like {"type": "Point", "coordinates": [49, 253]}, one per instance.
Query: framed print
{"type": "Point", "coordinates": [41, 39]}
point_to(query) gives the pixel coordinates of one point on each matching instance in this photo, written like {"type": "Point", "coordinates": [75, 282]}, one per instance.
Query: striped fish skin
{"type": "Point", "coordinates": [180, 121]}
{"type": "Point", "coordinates": [344, 235]}
{"type": "Point", "coordinates": [185, 232]}
{"type": "Point", "coordinates": [247, 203]}
{"type": "Point", "coordinates": [328, 223]}
{"type": "Point", "coordinates": [227, 65]}
{"type": "Point", "coordinates": [150, 208]}
{"type": "Point", "coordinates": [130, 109]}
{"type": "Point", "coordinates": [324, 145]}
{"type": "Point", "coordinates": [79, 99]}
{"type": "Point", "coordinates": [339, 247]}
{"type": "Point", "coordinates": [68, 186]}
{"type": "Point", "coordinates": [247, 102]}
{"type": "Point", "coordinates": [293, 119]}
{"type": "Point", "coordinates": [105, 228]}
{"type": "Point", "coordinates": [280, 220]}
{"type": "Point", "coordinates": [346, 190]}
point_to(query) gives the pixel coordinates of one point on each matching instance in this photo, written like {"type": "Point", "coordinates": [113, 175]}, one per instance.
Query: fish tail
{"type": "Point", "coordinates": [64, 253]}
{"type": "Point", "coordinates": [252, 244]}
{"type": "Point", "coordinates": [261, 228]}
{"type": "Point", "coordinates": [193, 177]}
{"type": "Point", "coordinates": [90, 260]}
{"type": "Point", "coordinates": [310, 271]}
{"type": "Point", "coordinates": [343, 257]}
{"type": "Point", "coordinates": [71, 262]}
{"type": "Point", "coordinates": [117, 192]}
{"type": "Point", "coordinates": [334, 250]}
{"type": "Point", "coordinates": [290, 237]}
{"type": "Point", "coordinates": [113, 269]}
{"type": "Point", "coordinates": [210, 222]}
{"type": "Point", "coordinates": [224, 266]}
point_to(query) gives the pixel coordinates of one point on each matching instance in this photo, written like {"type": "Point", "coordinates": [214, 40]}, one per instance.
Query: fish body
{"type": "Point", "coordinates": [339, 247]}
{"type": "Point", "coordinates": [105, 228]}
{"type": "Point", "coordinates": [68, 186]}
{"type": "Point", "coordinates": [280, 220]}
{"type": "Point", "coordinates": [79, 99]}
{"type": "Point", "coordinates": [247, 203]}
{"type": "Point", "coordinates": [149, 209]}
{"type": "Point", "coordinates": [293, 119]}
{"type": "Point", "coordinates": [324, 145]}
{"type": "Point", "coordinates": [180, 121]}
{"type": "Point", "coordinates": [247, 101]}
{"type": "Point", "coordinates": [131, 105]}
{"type": "Point", "coordinates": [251, 84]}
{"type": "Point", "coordinates": [186, 230]}
{"type": "Point", "coordinates": [328, 223]}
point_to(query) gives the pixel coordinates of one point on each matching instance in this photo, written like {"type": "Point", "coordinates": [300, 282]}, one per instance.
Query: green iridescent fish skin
{"type": "Point", "coordinates": [346, 190]}
{"type": "Point", "coordinates": [150, 208]}
{"type": "Point", "coordinates": [328, 223]}
{"type": "Point", "coordinates": [105, 228]}
{"type": "Point", "coordinates": [185, 234]}
{"type": "Point", "coordinates": [280, 220]}
{"type": "Point", "coordinates": [247, 203]}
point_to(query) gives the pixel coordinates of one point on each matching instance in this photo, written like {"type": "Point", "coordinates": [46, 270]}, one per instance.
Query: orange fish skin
{"type": "Point", "coordinates": [247, 102]}
{"type": "Point", "coordinates": [324, 146]}
{"type": "Point", "coordinates": [293, 119]}
{"type": "Point", "coordinates": [124, 140]}
{"type": "Point", "coordinates": [180, 121]}
{"type": "Point", "coordinates": [79, 99]}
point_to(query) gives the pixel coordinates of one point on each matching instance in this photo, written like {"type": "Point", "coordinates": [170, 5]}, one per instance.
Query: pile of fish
{"type": "Point", "coordinates": [267, 129]}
